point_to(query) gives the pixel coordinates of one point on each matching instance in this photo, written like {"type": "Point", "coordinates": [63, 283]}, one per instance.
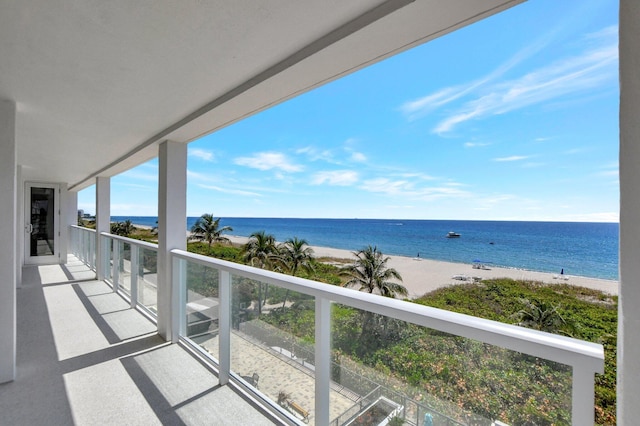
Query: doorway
{"type": "Point", "coordinates": [42, 218]}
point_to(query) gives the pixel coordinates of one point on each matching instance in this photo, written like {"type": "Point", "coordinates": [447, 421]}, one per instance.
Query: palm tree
{"type": "Point", "coordinates": [261, 249]}
{"type": "Point", "coordinates": [295, 254]}
{"type": "Point", "coordinates": [370, 272]}
{"type": "Point", "coordinates": [541, 316]}
{"type": "Point", "coordinates": [207, 228]}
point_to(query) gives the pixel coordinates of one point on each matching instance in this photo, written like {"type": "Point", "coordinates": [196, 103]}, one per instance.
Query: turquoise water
{"type": "Point", "coordinates": [586, 249]}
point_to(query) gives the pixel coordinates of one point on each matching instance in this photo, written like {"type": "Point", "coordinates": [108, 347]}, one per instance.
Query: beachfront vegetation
{"type": "Point", "coordinates": [208, 229]}
{"type": "Point", "coordinates": [261, 250]}
{"type": "Point", "coordinates": [479, 378]}
{"type": "Point", "coordinates": [369, 272]}
{"type": "Point", "coordinates": [586, 314]}
{"type": "Point", "coordinates": [295, 254]}
{"type": "Point", "coordinates": [124, 229]}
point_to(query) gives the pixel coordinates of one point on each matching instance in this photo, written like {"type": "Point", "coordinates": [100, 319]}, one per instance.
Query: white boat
{"type": "Point", "coordinates": [452, 234]}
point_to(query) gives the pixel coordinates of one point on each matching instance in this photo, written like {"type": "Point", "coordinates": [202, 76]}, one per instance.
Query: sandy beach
{"type": "Point", "coordinates": [421, 276]}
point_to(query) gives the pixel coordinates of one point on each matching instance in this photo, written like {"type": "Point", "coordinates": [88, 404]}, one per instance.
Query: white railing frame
{"type": "Point", "coordinates": [135, 253]}
{"type": "Point", "coordinates": [585, 358]}
{"type": "Point", "coordinates": [81, 247]}
{"type": "Point", "coordinates": [115, 265]}
{"type": "Point", "coordinates": [135, 246]}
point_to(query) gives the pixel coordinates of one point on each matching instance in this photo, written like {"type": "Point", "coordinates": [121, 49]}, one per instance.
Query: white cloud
{"type": "Point", "coordinates": [572, 75]}
{"type": "Point", "coordinates": [609, 170]}
{"type": "Point", "coordinates": [408, 189]}
{"type": "Point", "coordinates": [139, 175]}
{"type": "Point", "coordinates": [315, 154]}
{"type": "Point", "coordinates": [575, 151]}
{"type": "Point", "coordinates": [197, 176]}
{"type": "Point", "coordinates": [133, 209]}
{"type": "Point", "coordinates": [358, 157]}
{"type": "Point", "coordinates": [569, 76]}
{"type": "Point", "coordinates": [421, 176]}
{"type": "Point", "coordinates": [476, 144]}
{"type": "Point", "coordinates": [201, 154]}
{"type": "Point", "coordinates": [269, 161]}
{"type": "Point", "coordinates": [609, 173]}
{"type": "Point", "coordinates": [230, 191]}
{"type": "Point", "coordinates": [511, 158]}
{"type": "Point", "coordinates": [422, 106]}
{"type": "Point", "coordinates": [335, 177]}
{"type": "Point", "coordinates": [135, 186]}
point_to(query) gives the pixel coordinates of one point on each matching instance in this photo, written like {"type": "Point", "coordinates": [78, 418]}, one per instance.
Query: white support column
{"type": "Point", "coordinates": [71, 218]}
{"type": "Point", "coordinates": [72, 208]}
{"type": "Point", "coordinates": [8, 259]}
{"type": "Point", "coordinates": [172, 231]}
{"type": "Point", "coordinates": [63, 237]}
{"type": "Point", "coordinates": [103, 222]}
{"type": "Point", "coordinates": [628, 366]}
{"type": "Point", "coordinates": [323, 360]}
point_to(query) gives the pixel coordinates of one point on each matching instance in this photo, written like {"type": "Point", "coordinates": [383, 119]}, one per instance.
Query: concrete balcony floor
{"type": "Point", "coordinates": [85, 357]}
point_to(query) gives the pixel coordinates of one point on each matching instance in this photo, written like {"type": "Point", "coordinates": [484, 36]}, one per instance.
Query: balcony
{"type": "Point", "coordinates": [301, 375]}
{"type": "Point", "coordinates": [87, 358]}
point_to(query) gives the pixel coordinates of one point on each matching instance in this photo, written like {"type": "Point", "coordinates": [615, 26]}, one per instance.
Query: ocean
{"type": "Point", "coordinates": [585, 249]}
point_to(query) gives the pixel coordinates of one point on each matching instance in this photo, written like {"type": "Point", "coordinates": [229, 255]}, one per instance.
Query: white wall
{"type": "Point", "coordinates": [629, 293]}
{"type": "Point", "coordinates": [8, 214]}
{"type": "Point", "coordinates": [19, 225]}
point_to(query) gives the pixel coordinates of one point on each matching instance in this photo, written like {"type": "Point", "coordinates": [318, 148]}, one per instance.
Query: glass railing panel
{"type": "Point", "coordinates": [91, 253]}
{"type": "Point", "coordinates": [148, 278]}
{"type": "Point", "coordinates": [86, 248]}
{"type": "Point", "coordinates": [108, 273]}
{"type": "Point", "coordinates": [384, 368]}
{"type": "Point", "coordinates": [272, 343]}
{"type": "Point", "coordinates": [202, 306]}
{"type": "Point", "coordinates": [124, 266]}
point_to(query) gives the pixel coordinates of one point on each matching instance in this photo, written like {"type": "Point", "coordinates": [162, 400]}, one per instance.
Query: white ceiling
{"type": "Point", "coordinates": [98, 84]}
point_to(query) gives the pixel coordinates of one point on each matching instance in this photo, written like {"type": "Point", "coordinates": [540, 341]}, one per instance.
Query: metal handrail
{"type": "Point", "coordinates": [553, 347]}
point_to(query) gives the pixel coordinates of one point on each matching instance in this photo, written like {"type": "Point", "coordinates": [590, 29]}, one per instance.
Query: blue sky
{"type": "Point", "coordinates": [512, 118]}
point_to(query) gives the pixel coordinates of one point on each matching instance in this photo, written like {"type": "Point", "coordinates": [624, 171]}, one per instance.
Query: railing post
{"type": "Point", "coordinates": [115, 268]}
{"type": "Point", "coordinates": [86, 237]}
{"type": "Point", "coordinates": [224, 326]}
{"type": "Point", "coordinates": [322, 360]}
{"type": "Point", "coordinates": [178, 298]}
{"type": "Point", "coordinates": [102, 259]}
{"type": "Point", "coordinates": [83, 247]}
{"type": "Point", "coordinates": [92, 251]}
{"type": "Point", "coordinates": [134, 253]}
{"type": "Point", "coordinates": [582, 401]}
